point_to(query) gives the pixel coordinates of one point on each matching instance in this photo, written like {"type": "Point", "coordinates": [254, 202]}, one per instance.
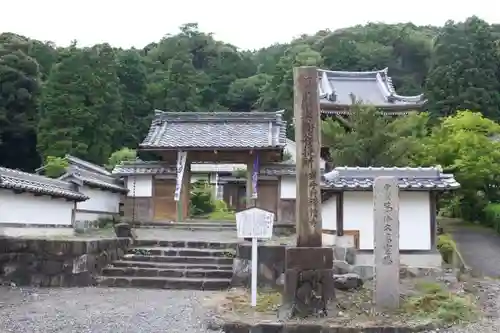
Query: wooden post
{"type": "Point", "coordinates": [307, 138]}
{"type": "Point", "coordinates": [309, 266]}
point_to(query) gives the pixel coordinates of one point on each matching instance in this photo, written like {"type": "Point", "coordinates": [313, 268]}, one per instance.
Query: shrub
{"type": "Point", "coordinates": [492, 216]}
{"type": "Point", "coordinates": [221, 211]}
{"type": "Point", "coordinates": [439, 304]}
{"type": "Point", "coordinates": [201, 199]}
{"type": "Point", "coordinates": [446, 247]}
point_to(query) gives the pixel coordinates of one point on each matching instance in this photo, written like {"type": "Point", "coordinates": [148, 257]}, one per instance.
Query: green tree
{"type": "Point", "coordinates": [368, 138]}
{"type": "Point", "coordinates": [81, 105]}
{"type": "Point", "coordinates": [19, 93]}
{"type": "Point", "coordinates": [55, 167]}
{"type": "Point", "coordinates": [136, 110]}
{"type": "Point", "coordinates": [465, 69]}
{"type": "Point", "coordinates": [119, 156]}
{"type": "Point", "coordinates": [467, 145]}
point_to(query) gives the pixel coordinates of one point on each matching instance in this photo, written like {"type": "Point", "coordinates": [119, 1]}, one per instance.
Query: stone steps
{"type": "Point", "coordinates": [167, 272]}
{"type": "Point", "coordinates": [179, 259]}
{"type": "Point", "coordinates": [184, 244]}
{"type": "Point", "coordinates": [198, 225]}
{"type": "Point", "coordinates": [165, 282]}
{"type": "Point", "coordinates": [159, 265]}
{"type": "Point", "coordinates": [172, 265]}
{"type": "Point", "coordinates": [182, 252]}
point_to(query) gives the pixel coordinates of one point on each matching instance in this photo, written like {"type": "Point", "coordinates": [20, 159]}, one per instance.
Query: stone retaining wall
{"type": "Point", "coordinates": [57, 262]}
{"type": "Point", "coordinates": [346, 265]}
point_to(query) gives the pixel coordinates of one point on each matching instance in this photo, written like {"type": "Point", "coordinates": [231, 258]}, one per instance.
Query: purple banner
{"type": "Point", "coordinates": [255, 175]}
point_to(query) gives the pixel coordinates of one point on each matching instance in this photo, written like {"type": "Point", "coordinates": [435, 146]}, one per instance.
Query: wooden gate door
{"type": "Point", "coordinates": [165, 207]}
{"type": "Point", "coordinates": [268, 196]}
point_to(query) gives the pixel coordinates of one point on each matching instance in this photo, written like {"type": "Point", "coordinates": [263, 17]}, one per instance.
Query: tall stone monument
{"type": "Point", "coordinates": [386, 239]}
{"type": "Point", "coordinates": [309, 266]}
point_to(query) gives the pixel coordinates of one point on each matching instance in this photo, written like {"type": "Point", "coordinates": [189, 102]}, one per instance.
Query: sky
{"type": "Point", "coordinates": [246, 24]}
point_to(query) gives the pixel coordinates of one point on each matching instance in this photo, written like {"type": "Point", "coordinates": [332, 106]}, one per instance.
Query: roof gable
{"type": "Point", "coordinates": [191, 130]}
{"type": "Point", "coordinates": [85, 177]}
{"type": "Point", "coordinates": [27, 182]}
{"type": "Point", "coordinates": [82, 164]}
{"type": "Point", "coordinates": [340, 88]}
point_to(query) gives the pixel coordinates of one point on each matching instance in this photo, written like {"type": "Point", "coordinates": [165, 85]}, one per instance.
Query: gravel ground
{"type": "Point", "coordinates": [100, 310]}
{"type": "Point", "coordinates": [490, 291]}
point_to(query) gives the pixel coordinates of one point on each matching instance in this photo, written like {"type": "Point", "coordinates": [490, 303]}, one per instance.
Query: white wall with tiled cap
{"type": "Point", "coordinates": [102, 203]}
{"type": "Point", "coordinates": [26, 208]}
{"type": "Point", "coordinates": [414, 218]}
{"type": "Point", "coordinates": [143, 186]}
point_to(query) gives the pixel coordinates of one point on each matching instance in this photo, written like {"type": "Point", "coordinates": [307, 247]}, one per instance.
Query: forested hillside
{"type": "Point", "coordinates": [95, 100]}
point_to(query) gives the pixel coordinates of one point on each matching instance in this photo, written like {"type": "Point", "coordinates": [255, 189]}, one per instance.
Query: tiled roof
{"type": "Point", "coordinates": [27, 182]}
{"type": "Point", "coordinates": [82, 164]}
{"type": "Point", "coordinates": [154, 168]}
{"type": "Point", "coordinates": [189, 130]}
{"type": "Point", "coordinates": [94, 179]}
{"type": "Point", "coordinates": [409, 179]}
{"type": "Point", "coordinates": [337, 88]}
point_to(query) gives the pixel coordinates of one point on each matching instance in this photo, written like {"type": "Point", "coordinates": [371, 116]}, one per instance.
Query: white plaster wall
{"type": "Point", "coordinates": [99, 200]}
{"type": "Point", "coordinates": [414, 218]}
{"type": "Point", "coordinates": [28, 209]}
{"type": "Point", "coordinates": [143, 186]}
{"type": "Point", "coordinates": [288, 188]}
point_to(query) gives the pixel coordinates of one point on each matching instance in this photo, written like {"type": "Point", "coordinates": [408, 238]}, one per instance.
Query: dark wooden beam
{"type": "Point", "coordinates": [340, 213]}
{"type": "Point", "coordinates": [433, 212]}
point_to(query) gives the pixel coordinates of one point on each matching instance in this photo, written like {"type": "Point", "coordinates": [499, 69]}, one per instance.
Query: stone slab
{"type": "Point", "coordinates": [386, 242]}
{"type": "Point", "coordinates": [309, 258]}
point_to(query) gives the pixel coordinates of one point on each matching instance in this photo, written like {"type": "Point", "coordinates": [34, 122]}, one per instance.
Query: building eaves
{"type": "Point", "coordinates": [339, 89]}
{"type": "Point", "coordinates": [216, 130]}
{"type": "Point", "coordinates": [409, 179]}
{"type": "Point", "coordinates": [97, 180]}
{"type": "Point", "coordinates": [19, 181]}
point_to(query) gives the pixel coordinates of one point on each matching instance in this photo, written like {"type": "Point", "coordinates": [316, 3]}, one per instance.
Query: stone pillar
{"type": "Point", "coordinates": [309, 266]}
{"type": "Point", "coordinates": [386, 242]}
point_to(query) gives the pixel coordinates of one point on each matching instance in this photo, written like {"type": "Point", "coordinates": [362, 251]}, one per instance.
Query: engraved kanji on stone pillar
{"type": "Point", "coordinates": [386, 242]}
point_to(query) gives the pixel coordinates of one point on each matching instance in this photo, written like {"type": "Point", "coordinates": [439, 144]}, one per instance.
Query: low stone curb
{"type": "Point", "coordinates": [238, 327]}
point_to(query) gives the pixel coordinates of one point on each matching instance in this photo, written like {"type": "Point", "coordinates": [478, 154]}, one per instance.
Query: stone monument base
{"type": "Point", "coordinates": [308, 281]}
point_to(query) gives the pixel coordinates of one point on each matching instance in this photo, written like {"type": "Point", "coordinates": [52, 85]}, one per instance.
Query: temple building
{"type": "Point", "coordinates": [338, 90]}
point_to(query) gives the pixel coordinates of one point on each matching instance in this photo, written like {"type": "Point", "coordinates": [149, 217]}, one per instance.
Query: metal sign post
{"type": "Point", "coordinates": [254, 223]}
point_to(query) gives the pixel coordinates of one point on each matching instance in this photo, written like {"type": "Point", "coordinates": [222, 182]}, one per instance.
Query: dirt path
{"type": "Point", "coordinates": [479, 247]}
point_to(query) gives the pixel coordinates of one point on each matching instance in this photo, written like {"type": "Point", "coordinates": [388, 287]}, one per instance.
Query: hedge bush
{"type": "Point", "coordinates": [492, 216]}
{"type": "Point", "coordinates": [446, 246]}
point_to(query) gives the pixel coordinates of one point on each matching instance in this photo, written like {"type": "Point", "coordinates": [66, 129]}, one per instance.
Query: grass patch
{"type": "Point", "coordinates": [439, 304]}
{"type": "Point", "coordinates": [267, 302]}
{"type": "Point", "coordinates": [222, 216]}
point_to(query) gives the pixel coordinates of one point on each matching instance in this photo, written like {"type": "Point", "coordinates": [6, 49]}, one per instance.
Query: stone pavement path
{"type": "Point", "coordinates": [101, 310]}
{"type": "Point", "coordinates": [479, 247]}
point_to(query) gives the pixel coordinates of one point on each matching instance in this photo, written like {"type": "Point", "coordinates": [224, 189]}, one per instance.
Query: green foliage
{"type": "Point", "coordinates": [55, 166]}
{"type": "Point", "coordinates": [202, 201]}
{"type": "Point", "coordinates": [464, 145]}
{"type": "Point", "coordinates": [369, 139]}
{"type": "Point", "coordinates": [436, 303]}
{"type": "Point", "coordinates": [492, 216]}
{"type": "Point", "coordinates": [446, 246]}
{"type": "Point", "coordinates": [119, 156]}
{"type": "Point", "coordinates": [19, 92]}
{"type": "Point", "coordinates": [221, 212]}
{"type": "Point", "coordinates": [464, 73]}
